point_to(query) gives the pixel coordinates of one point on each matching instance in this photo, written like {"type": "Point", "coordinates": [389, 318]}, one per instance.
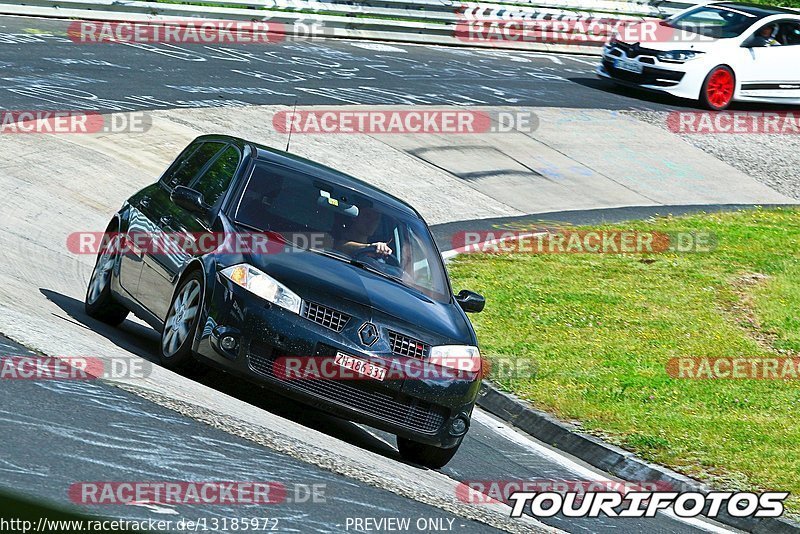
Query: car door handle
{"type": "Point", "coordinates": [166, 220]}
{"type": "Point", "coordinates": [144, 202]}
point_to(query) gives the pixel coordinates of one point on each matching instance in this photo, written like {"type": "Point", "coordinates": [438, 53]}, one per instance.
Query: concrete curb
{"type": "Point", "coordinates": [611, 459]}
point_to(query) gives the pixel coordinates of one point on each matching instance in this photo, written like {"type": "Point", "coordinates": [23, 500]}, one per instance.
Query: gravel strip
{"type": "Point", "coordinates": [773, 160]}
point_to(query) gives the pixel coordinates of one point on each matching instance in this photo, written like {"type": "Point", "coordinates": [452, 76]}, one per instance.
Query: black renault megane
{"type": "Point", "coordinates": [300, 278]}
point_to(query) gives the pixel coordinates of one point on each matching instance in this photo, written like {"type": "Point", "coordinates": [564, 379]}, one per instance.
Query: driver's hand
{"type": "Point", "coordinates": [382, 248]}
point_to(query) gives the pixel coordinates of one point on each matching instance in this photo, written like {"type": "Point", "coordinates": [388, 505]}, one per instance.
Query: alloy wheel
{"type": "Point", "coordinates": [719, 89]}
{"type": "Point", "coordinates": [180, 318]}
{"type": "Point", "coordinates": [101, 275]}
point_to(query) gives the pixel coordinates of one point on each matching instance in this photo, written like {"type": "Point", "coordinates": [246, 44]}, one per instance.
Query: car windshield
{"type": "Point", "coordinates": [316, 215]}
{"type": "Point", "coordinates": [715, 22]}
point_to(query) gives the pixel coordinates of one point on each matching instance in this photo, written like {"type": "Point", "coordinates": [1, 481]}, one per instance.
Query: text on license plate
{"type": "Point", "coordinates": [628, 65]}
{"type": "Point", "coordinates": [362, 367]}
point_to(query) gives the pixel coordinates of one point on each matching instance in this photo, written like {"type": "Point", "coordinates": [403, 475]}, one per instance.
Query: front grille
{"type": "Point", "coordinates": [407, 346]}
{"type": "Point", "coordinates": [327, 317]}
{"type": "Point", "coordinates": [634, 50]}
{"type": "Point", "coordinates": [649, 76]}
{"type": "Point", "coordinates": [403, 411]}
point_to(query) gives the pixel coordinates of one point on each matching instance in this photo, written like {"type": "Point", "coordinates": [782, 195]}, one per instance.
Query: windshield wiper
{"type": "Point", "coordinates": [372, 269]}
{"type": "Point", "coordinates": [257, 230]}
{"type": "Point", "coordinates": [357, 263]}
{"type": "Point", "coordinates": [331, 254]}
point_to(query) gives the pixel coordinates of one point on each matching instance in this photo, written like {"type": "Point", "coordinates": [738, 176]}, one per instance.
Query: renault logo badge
{"type": "Point", "coordinates": [368, 334]}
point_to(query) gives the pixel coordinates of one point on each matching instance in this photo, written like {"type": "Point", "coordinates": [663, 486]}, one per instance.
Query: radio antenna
{"type": "Point", "coordinates": [291, 124]}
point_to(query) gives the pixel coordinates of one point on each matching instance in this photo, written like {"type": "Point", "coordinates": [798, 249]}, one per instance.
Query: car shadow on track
{"type": "Point", "coordinates": [638, 98]}
{"type": "Point", "coordinates": [134, 337]}
{"type": "Point", "coordinates": [669, 101]}
{"type": "Point", "coordinates": [143, 341]}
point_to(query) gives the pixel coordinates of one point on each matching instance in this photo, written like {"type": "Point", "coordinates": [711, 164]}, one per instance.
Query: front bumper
{"type": "Point", "coordinates": [418, 409]}
{"type": "Point", "coordinates": [671, 78]}
{"type": "Point", "coordinates": [651, 77]}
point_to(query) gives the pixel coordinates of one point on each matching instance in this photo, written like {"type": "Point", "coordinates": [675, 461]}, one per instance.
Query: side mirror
{"type": "Point", "coordinates": [470, 301]}
{"type": "Point", "coordinates": [188, 199]}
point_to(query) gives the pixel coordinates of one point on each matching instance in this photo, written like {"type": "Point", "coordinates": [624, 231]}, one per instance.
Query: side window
{"type": "Point", "coordinates": [216, 179]}
{"type": "Point", "coordinates": [771, 34]}
{"type": "Point", "coordinates": [186, 169]}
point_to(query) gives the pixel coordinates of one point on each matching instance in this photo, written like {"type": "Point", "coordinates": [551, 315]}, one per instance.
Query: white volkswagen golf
{"type": "Point", "coordinates": [715, 53]}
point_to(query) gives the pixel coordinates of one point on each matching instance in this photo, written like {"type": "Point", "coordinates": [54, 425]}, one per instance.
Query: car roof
{"type": "Point", "coordinates": [758, 10]}
{"type": "Point", "coordinates": [318, 170]}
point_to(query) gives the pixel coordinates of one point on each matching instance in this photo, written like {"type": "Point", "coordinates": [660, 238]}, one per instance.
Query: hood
{"type": "Point", "coordinates": [662, 37]}
{"type": "Point", "coordinates": [351, 289]}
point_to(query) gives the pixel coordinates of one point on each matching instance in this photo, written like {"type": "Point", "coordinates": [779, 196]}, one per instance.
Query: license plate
{"type": "Point", "coordinates": [629, 65]}
{"type": "Point", "coordinates": [362, 367]}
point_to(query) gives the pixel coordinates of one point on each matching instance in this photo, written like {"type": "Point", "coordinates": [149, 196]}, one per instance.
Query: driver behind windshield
{"type": "Point", "coordinates": [765, 36]}
{"type": "Point", "coordinates": [355, 234]}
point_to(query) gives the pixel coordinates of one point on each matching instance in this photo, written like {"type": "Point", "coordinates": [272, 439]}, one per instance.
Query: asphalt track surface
{"type": "Point", "coordinates": [105, 433]}
{"type": "Point", "coordinates": [60, 433]}
{"type": "Point", "coordinates": [40, 68]}
{"type": "Point", "coordinates": [74, 431]}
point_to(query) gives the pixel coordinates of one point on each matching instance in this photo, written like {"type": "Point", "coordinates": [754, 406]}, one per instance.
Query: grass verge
{"type": "Point", "coordinates": [599, 329]}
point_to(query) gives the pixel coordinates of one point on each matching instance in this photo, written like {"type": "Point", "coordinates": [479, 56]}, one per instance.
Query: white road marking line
{"type": "Point", "coordinates": [378, 47]}
{"type": "Point", "coordinates": [369, 431]}
{"type": "Point", "coordinates": [592, 62]}
{"type": "Point", "coordinates": [156, 509]}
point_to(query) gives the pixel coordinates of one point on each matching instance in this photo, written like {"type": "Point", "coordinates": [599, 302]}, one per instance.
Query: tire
{"type": "Point", "coordinates": [718, 88]}
{"type": "Point", "coordinates": [180, 326]}
{"type": "Point", "coordinates": [99, 303]}
{"type": "Point", "coordinates": [426, 455]}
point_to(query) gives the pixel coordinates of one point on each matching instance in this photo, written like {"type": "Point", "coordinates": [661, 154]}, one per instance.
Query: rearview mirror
{"type": "Point", "coordinates": [188, 199]}
{"type": "Point", "coordinates": [339, 206]}
{"type": "Point", "coordinates": [470, 301]}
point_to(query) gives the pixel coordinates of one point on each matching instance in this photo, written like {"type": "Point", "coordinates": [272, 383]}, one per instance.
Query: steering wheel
{"type": "Point", "coordinates": [371, 252]}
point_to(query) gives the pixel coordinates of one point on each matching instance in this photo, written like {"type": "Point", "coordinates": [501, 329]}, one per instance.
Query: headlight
{"type": "Point", "coordinates": [459, 357]}
{"type": "Point", "coordinates": [264, 286]}
{"type": "Point", "coordinates": [678, 56]}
